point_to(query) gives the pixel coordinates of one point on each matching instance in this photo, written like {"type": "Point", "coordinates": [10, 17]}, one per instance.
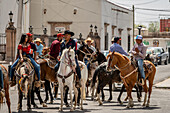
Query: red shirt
{"type": "Point", "coordinates": [24, 49]}
{"type": "Point", "coordinates": [55, 48]}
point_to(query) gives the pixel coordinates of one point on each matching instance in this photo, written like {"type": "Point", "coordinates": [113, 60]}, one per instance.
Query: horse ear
{"type": "Point", "coordinates": [69, 48]}
{"type": "Point", "coordinates": [113, 52]}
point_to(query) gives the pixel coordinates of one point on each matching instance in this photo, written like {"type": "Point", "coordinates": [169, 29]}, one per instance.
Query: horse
{"type": "Point", "coordinates": [129, 75]}
{"type": "Point", "coordinates": [25, 77]}
{"type": "Point", "coordinates": [65, 77]}
{"type": "Point", "coordinates": [105, 77]}
{"type": "Point", "coordinates": [85, 52]}
{"type": "Point", "coordinates": [6, 88]}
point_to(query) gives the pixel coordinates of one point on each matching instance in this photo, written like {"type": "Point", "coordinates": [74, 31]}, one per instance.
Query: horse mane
{"type": "Point", "coordinates": [120, 55]}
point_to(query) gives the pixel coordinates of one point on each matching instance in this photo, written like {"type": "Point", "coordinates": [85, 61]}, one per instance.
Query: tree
{"type": "Point", "coordinates": [154, 27]}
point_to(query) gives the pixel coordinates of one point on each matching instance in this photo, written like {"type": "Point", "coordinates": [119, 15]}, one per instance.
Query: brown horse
{"type": "Point", "coordinates": [129, 75]}
{"type": "Point", "coordinates": [6, 88]}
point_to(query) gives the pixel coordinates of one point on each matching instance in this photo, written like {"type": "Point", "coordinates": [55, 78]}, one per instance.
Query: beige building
{"type": "Point", "coordinates": [77, 16]}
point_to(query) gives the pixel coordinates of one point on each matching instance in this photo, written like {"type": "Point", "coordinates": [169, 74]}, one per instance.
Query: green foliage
{"type": "Point", "coordinates": [154, 27]}
{"type": "Point", "coordinates": [137, 25]}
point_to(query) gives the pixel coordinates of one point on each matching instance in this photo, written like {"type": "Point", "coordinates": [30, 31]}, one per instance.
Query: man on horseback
{"type": "Point", "coordinates": [55, 46]}
{"type": "Point", "coordinates": [139, 52]}
{"type": "Point", "coordinates": [25, 49]}
{"type": "Point", "coordinates": [1, 80]}
{"type": "Point", "coordinates": [116, 46]}
{"type": "Point", "coordinates": [69, 42]}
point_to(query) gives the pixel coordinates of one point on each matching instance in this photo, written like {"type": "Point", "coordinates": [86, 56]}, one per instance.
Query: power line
{"type": "Point", "coordinates": [147, 9]}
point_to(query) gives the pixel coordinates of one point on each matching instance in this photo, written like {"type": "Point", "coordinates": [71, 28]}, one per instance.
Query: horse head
{"type": "Point", "coordinates": [112, 59]}
{"type": "Point", "coordinates": [26, 78]}
{"type": "Point", "coordinates": [68, 57]}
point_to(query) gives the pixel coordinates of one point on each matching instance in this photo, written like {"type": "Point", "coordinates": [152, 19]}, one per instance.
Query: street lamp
{"type": "Point", "coordinates": [91, 27]}
{"type": "Point", "coordinates": [95, 29]}
{"type": "Point", "coordinates": [139, 28]}
{"type": "Point", "coordinates": [10, 16]}
{"type": "Point", "coordinates": [30, 29]}
{"type": "Point", "coordinates": [45, 31]}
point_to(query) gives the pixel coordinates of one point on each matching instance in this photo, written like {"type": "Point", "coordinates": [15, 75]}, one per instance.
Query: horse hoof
{"type": "Point", "coordinates": [92, 99]}
{"type": "Point", "coordinates": [120, 102]}
{"type": "Point", "coordinates": [81, 108]}
{"type": "Point", "coordinates": [100, 104]}
{"type": "Point", "coordinates": [28, 109]}
{"type": "Point", "coordinates": [67, 105]}
{"type": "Point", "coordinates": [44, 105]}
{"type": "Point", "coordinates": [143, 105]}
{"type": "Point", "coordinates": [51, 102]}
{"type": "Point", "coordinates": [60, 109]}
{"type": "Point", "coordinates": [20, 110]}
{"type": "Point", "coordinates": [71, 109]}
{"type": "Point", "coordinates": [139, 100]}
{"type": "Point", "coordinates": [128, 106]}
{"type": "Point", "coordinates": [147, 105]}
{"type": "Point", "coordinates": [109, 100]}
{"type": "Point", "coordinates": [35, 106]}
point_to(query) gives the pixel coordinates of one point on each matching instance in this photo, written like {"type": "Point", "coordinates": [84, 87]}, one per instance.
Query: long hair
{"type": "Point", "coordinates": [22, 40]}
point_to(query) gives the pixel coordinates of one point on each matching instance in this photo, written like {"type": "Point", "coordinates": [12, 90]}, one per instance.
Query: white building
{"type": "Point", "coordinates": [77, 16]}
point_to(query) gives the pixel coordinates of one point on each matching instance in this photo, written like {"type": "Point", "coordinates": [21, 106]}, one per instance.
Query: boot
{"type": "Point", "coordinates": [13, 82]}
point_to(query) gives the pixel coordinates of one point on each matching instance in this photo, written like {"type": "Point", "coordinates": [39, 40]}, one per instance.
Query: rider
{"type": "Point", "coordinates": [55, 46]}
{"type": "Point", "coordinates": [1, 80]}
{"type": "Point", "coordinates": [116, 46]}
{"type": "Point", "coordinates": [139, 52]}
{"type": "Point", "coordinates": [24, 49]}
{"type": "Point", "coordinates": [69, 42]}
{"type": "Point", "coordinates": [39, 46]}
{"type": "Point", "coordinates": [89, 42]}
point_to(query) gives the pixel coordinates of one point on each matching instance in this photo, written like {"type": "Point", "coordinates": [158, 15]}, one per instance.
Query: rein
{"type": "Point", "coordinates": [123, 68]}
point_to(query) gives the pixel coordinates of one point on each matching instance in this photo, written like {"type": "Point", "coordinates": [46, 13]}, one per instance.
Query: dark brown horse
{"type": "Point", "coordinates": [129, 75]}
{"type": "Point", "coordinates": [6, 88]}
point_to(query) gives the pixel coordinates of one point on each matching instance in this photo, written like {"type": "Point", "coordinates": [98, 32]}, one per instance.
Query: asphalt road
{"type": "Point", "coordinates": [160, 101]}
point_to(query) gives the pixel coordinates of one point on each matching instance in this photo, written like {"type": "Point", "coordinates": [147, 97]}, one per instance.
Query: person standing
{"type": "Point", "coordinates": [39, 46]}
{"type": "Point", "coordinates": [139, 53]}
{"type": "Point", "coordinates": [116, 47]}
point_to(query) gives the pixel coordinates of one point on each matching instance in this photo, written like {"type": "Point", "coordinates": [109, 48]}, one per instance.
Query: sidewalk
{"type": "Point", "coordinates": [164, 84]}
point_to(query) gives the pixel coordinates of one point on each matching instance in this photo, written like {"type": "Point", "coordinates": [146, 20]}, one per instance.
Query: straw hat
{"type": "Point", "coordinates": [89, 39]}
{"type": "Point", "coordinates": [38, 40]}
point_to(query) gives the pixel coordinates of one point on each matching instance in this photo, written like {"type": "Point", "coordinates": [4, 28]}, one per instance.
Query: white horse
{"type": "Point", "coordinates": [65, 75]}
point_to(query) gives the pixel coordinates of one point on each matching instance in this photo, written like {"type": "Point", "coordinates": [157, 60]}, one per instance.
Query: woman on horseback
{"type": "Point", "coordinates": [24, 49]}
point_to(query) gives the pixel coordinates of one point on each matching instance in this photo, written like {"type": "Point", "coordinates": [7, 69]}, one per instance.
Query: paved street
{"type": "Point", "coordinates": [159, 100]}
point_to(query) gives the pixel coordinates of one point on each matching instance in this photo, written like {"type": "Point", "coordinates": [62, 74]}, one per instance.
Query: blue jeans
{"type": "Point", "coordinates": [77, 68]}
{"type": "Point", "coordinates": [1, 79]}
{"type": "Point", "coordinates": [140, 65]}
{"type": "Point", "coordinates": [86, 61]}
{"type": "Point", "coordinates": [36, 66]}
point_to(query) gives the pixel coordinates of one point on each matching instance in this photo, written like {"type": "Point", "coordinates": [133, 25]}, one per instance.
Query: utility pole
{"type": "Point", "coordinates": [133, 8]}
{"type": "Point", "coordinates": [19, 24]}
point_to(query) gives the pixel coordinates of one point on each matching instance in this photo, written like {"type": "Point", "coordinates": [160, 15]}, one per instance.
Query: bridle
{"type": "Point", "coordinates": [123, 68]}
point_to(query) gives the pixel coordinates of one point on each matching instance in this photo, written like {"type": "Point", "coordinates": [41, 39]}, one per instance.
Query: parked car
{"type": "Point", "coordinates": [105, 53]}
{"type": "Point", "coordinates": [151, 56]}
{"type": "Point", "coordinates": [160, 54]}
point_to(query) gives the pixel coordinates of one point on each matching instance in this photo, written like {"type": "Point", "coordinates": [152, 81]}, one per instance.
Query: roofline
{"type": "Point", "coordinates": [118, 5]}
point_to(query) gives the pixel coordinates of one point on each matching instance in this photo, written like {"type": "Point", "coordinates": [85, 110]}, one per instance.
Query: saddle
{"type": "Point", "coordinates": [147, 66]}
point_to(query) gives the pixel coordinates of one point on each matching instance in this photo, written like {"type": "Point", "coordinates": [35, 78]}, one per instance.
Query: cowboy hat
{"type": "Point", "coordinates": [38, 40]}
{"type": "Point", "coordinates": [68, 32]}
{"type": "Point", "coordinates": [116, 39]}
{"type": "Point", "coordinates": [29, 34]}
{"type": "Point", "coordinates": [89, 39]}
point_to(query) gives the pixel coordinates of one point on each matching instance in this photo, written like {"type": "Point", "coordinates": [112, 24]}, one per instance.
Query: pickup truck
{"type": "Point", "coordinates": [162, 56]}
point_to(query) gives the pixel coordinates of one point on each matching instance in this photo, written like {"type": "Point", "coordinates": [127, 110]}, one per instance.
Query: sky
{"type": "Point", "coordinates": [144, 17]}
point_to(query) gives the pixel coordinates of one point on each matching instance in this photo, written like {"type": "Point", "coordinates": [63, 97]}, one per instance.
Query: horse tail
{"type": "Point", "coordinates": [94, 77]}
